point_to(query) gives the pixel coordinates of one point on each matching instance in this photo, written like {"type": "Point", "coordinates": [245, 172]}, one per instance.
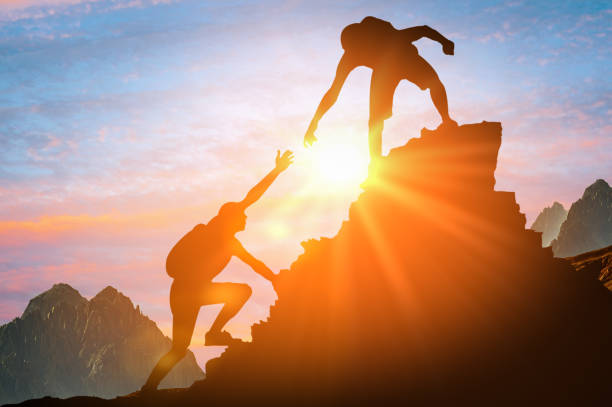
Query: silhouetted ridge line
{"type": "Point", "coordinates": [432, 291]}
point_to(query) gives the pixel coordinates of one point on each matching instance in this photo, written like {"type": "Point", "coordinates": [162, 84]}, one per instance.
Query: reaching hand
{"type": "Point", "coordinates": [283, 161]}
{"type": "Point", "coordinates": [309, 138]}
{"type": "Point", "coordinates": [449, 48]}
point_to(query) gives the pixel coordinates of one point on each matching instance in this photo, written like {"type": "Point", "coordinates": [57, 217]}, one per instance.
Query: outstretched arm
{"type": "Point", "coordinates": [416, 33]}
{"type": "Point", "coordinates": [258, 266]}
{"type": "Point", "coordinates": [345, 66]}
{"type": "Point", "coordinates": [282, 162]}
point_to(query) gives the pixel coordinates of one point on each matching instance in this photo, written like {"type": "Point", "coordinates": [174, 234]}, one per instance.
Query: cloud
{"type": "Point", "coordinates": [110, 226]}
{"type": "Point", "coordinates": [20, 4]}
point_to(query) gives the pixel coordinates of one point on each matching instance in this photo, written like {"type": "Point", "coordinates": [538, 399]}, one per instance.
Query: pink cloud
{"type": "Point", "coordinates": [17, 4]}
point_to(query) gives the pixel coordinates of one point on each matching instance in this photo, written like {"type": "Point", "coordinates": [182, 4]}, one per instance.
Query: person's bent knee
{"type": "Point", "coordinates": [178, 351]}
{"type": "Point", "coordinates": [246, 292]}
{"type": "Point", "coordinates": [243, 293]}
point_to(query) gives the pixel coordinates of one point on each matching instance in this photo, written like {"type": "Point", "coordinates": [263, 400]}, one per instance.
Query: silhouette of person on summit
{"type": "Point", "coordinates": [195, 260]}
{"type": "Point", "coordinates": [390, 54]}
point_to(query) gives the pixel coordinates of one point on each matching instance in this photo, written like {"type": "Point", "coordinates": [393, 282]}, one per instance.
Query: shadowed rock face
{"type": "Point", "coordinates": [549, 222]}
{"type": "Point", "coordinates": [64, 345]}
{"type": "Point", "coordinates": [589, 222]}
{"type": "Point", "coordinates": [432, 293]}
{"type": "Point", "coordinates": [597, 263]}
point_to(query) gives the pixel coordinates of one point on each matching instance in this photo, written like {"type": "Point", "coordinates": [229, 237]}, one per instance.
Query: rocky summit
{"type": "Point", "coordinates": [549, 222]}
{"type": "Point", "coordinates": [589, 222]}
{"type": "Point", "coordinates": [433, 292]}
{"type": "Point", "coordinates": [64, 345]}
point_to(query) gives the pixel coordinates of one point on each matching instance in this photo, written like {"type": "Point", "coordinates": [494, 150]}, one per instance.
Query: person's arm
{"type": "Point", "coordinates": [282, 162]}
{"type": "Point", "coordinates": [258, 266]}
{"type": "Point", "coordinates": [345, 66]}
{"type": "Point", "coordinates": [415, 33]}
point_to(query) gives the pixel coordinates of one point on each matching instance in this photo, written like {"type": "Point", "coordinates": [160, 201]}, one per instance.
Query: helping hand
{"type": "Point", "coordinates": [309, 138]}
{"type": "Point", "coordinates": [449, 48]}
{"type": "Point", "coordinates": [283, 161]}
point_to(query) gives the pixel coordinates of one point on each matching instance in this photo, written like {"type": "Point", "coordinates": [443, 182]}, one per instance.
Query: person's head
{"type": "Point", "coordinates": [231, 217]}
{"type": "Point", "coordinates": [350, 36]}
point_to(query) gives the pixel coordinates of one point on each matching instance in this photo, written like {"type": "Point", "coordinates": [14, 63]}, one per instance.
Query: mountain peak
{"type": "Point", "coordinates": [59, 293]}
{"type": "Point", "coordinates": [78, 347]}
{"type": "Point", "coordinates": [549, 222]}
{"type": "Point", "coordinates": [599, 185]}
{"type": "Point", "coordinates": [589, 222]}
{"type": "Point", "coordinates": [556, 205]}
{"type": "Point", "coordinates": [108, 292]}
{"type": "Point", "coordinates": [112, 296]}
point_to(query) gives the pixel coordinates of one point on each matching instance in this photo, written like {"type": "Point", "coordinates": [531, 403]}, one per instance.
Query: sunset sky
{"type": "Point", "coordinates": [125, 123]}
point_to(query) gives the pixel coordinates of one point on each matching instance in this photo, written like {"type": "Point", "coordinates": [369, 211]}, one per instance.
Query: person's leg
{"type": "Point", "coordinates": [232, 295]}
{"type": "Point", "coordinates": [421, 73]}
{"type": "Point", "coordinates": [375, 138]}
{"type": "Point", "coordinates": [382, 89]}
{"type": "Point", "coordinates": [183, 322]}
{"type": "Point", "coordinates": [438, 97]}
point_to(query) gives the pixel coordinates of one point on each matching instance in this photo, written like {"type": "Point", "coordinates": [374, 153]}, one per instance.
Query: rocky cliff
{"type": "Point", "coordinates": [549, 222]}
{"type": "Point", "coordinates": [64, 345]}
{"type": "Point", "coordinates": [589, 222]}
{"type": "Point", "coordinates": [597, 263]}
{"type": "Point", "coordinates": [432, 293]}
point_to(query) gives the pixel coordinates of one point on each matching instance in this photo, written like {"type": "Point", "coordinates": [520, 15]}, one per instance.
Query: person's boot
{"type": "Point", "coordinates": [147, 390]}
{"type": "Point", "coordinates": [448, 124]}
{"type": "Point", "coordinates": [219, 338]}
{"type": "Point", "coordinates": [445, 125]}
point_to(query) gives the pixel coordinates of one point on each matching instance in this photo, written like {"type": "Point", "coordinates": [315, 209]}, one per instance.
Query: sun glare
{"type": "Point", "coordinates": [278, 229]}
{"type": "Point", "coordinates": [338, 165]}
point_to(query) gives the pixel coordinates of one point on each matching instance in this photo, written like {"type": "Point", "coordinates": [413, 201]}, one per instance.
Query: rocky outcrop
{"type": "Point", "coordinates": [64, 345]}
{"type": "Point", "coordinates": [549, 222]}
{"type": "Point", "coordinates": [589, 222]}
{"type": "Point", "coordinates": [597, 264]}
{"type": "Point", "coordinates": [432, 293]}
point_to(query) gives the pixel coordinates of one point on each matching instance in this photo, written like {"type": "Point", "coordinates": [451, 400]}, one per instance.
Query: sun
{"type": "Point", "coordinates": [336, 165]}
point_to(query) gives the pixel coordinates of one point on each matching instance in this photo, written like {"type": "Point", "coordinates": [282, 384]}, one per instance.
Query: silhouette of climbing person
{"type": "Point", "coordinates": [195, 260]}
{"type": "Point", "coordinates": [390, 54]}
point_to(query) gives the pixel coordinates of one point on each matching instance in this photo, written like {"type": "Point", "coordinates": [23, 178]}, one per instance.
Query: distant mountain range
{"type": "Point", "coordinates": [549, 222]}
{"type": "Point", "coordinates": [589, 222]}
{"type": "Point", "coordinates": [587, 226]}
{"type": "Point", "coordinates": [64, 345]}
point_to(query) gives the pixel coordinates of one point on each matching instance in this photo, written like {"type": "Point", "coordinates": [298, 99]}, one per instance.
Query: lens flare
{"type": "Point", "coordinates": [339, 165]}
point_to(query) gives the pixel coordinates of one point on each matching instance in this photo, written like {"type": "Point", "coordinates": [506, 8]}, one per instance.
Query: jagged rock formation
{"type": "Point", "coordinates": [64, 345]}
{"type": "Point", "coordinates": [597, 263]}
{"type": "Point", "coordinates": [549, 222]}
{"type": "Point", "coordinates": [589, 222]}
{"type": "Point", "coordinates": [432, 293]}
